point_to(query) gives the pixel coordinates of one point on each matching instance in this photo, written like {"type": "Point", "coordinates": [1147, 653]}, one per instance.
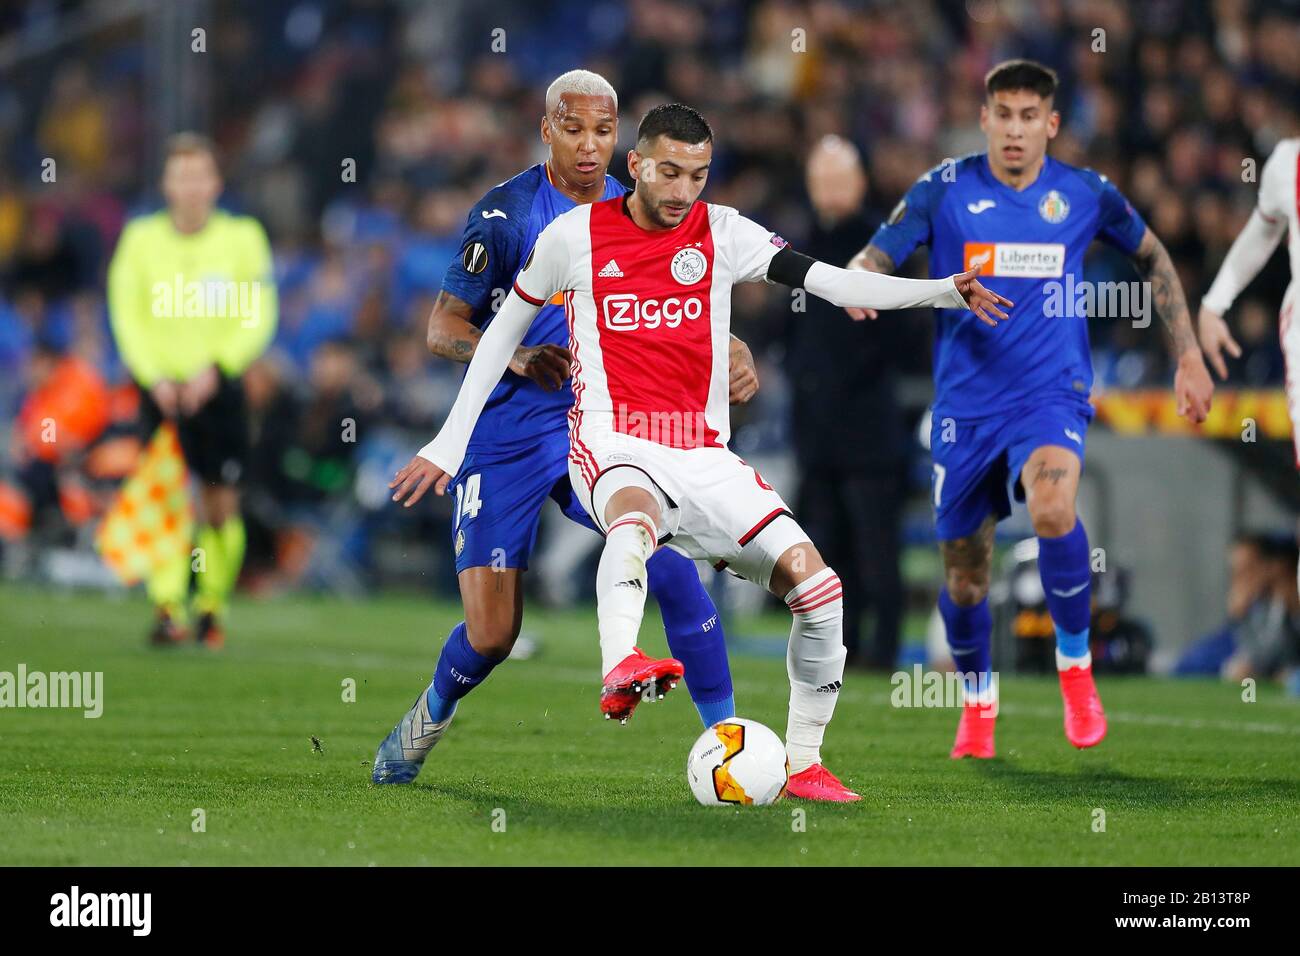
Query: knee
{"type": "Point", "coordinates": [797, 564]}
{"type": "Point", "coordinates": [820, 600]}
{"type": "Point", "coordinates": [491, 634]}
{"type": "Point", "coordinates": [220, 503]}
{"type": "Point", "coordinates": [967, 587]}
{"type": "Point", "coordinates": [1052, 515]}
{"type": "Point", "coordinates": [633, 499]}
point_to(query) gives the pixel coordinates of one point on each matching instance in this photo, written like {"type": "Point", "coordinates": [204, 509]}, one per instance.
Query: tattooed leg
{"type": "Point", "coordinates": [1051, 481]}
{"type": "Point", "coordinates": [967, 563]}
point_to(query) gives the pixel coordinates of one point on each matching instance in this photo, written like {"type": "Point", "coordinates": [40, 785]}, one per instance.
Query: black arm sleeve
{"type": "Point", "coordinates": [789, 268]}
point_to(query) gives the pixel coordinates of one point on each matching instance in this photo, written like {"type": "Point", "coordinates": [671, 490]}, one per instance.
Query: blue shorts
{"type": "Point", "coordinates": [978, 461]}
{"type": "Point", "coordinates": [499, 497]}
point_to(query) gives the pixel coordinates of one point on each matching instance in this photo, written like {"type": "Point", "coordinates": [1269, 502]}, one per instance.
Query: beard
{"type": "Point", "coordinates": [662, 217]}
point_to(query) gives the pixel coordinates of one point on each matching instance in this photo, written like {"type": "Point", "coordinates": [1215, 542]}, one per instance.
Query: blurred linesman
{"type": "Point", "coordinates": [192, 302]}
{"type": "Point", "coordinates": [849, 433]}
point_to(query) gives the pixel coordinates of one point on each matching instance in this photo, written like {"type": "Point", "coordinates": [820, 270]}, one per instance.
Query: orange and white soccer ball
{"type": "Point", "coordinates": [738, 761]}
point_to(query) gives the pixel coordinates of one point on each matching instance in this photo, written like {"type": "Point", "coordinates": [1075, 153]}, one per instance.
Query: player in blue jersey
{"type": "Point", "coordinates": [1012, 400]}
{"type": "Point", "coordinates": [518, 455]}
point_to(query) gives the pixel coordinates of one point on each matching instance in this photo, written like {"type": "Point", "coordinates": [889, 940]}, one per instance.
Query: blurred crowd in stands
{"type": "Point", "coordinates": [436, 102]}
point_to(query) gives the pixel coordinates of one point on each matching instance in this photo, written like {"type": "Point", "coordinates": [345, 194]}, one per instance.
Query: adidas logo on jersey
{"type": "Point", "coordinates": [832, 688]}
{"type": "Point", "coordinates": [610, 271]}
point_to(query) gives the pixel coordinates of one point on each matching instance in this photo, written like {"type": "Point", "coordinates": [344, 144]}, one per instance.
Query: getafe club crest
{"type": "Point", "coordinates": [1053, 207]}
{"type": "Point", "coordinates": [689, 265]}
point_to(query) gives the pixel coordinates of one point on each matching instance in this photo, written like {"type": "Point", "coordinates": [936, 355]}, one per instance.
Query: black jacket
{"type": "Point", "coordinates": [845, 414]}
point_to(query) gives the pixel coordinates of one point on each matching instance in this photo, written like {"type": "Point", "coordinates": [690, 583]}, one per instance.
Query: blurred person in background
{"type": "Point", "coordinates": [273, 410]}
{"type": "Point", "coordinates": [849, 436]}
{"type": "Point", "coordinates": [317, 461]}
{"type": "Point", "coordinates": [65, 410]}
{"type": "Point", "coordinates": [1261, 637]}
{"type": "Point", "coordinates": [313, 454]}
{"type": "Point", "coordinates": [192, 302]}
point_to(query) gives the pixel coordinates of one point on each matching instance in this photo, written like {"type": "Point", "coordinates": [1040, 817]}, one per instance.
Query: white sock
{"type": "Point", "coordinates": [981, 693]}
{"type": "Point", "coordinates": [815, 663]}
{"type": "Point", "coordinates": [1064, 663]}
{"type": "Point", "coordinates": [621, 586]}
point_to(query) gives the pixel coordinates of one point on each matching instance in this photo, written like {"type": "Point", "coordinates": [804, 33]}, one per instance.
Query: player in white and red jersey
{"type": "Point", "coordinates": [646, 281]}
{"type": "Point", "coordinates": [1277, 213]}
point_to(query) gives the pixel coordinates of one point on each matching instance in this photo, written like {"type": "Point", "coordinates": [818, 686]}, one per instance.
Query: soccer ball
{"type": "Point", "coordinates": [738, 761]}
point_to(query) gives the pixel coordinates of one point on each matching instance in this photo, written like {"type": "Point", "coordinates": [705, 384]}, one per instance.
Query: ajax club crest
{"type": "Point", "coordinates": [1053, 207]}
{"type": "Point", "coordinates": [689, 266]}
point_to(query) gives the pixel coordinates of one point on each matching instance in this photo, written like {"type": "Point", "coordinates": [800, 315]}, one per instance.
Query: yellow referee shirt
{"type": "Point", "coordinates": [179, 302]}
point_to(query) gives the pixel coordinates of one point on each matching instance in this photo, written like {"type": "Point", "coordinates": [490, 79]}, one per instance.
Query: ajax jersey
{"type": "Point", "coordinates": [649, 316]}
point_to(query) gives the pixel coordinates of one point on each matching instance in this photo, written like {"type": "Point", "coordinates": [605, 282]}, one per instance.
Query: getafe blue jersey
{"type": "Point", "coordinates": [1030, 245]}
{"type": "Point", "coordinates": [501, 230]}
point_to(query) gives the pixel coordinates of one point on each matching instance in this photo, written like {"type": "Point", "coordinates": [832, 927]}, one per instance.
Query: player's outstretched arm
{"type": "Point", "coordinates": [1249, 252]}
{"type": "Point", "coordinates": [1192, 384]}
{"type": "Point", "coordinates": [870, 259]}
{"type": "Point", "coordinates": [453, 336]}
{"type": "Point", "coordinates": [437, 462]}
{"type": "Point", "coordinates": [870, 290]}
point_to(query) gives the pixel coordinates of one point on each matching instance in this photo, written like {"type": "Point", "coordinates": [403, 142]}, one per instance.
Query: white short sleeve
{"type": "Point", "coordinates": [745, 245]}
{"type": "Point", "coordinates": [547, 267]}
{"type": "Point", "coordinates": [1277, 180]}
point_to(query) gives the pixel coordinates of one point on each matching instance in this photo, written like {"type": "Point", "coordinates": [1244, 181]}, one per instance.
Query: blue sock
{"type": "Point", "coordinates": [970, 638]}
{"type": "Point", "coordinates": [1067, 585]}
{"type": "Point", "coordinates": [694, 630]}
{"type": "Point", "coordinates": [460, 669]}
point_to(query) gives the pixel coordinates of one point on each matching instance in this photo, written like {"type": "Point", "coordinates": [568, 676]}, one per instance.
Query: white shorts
{"type": "Point", "coordinates": [715, 507]}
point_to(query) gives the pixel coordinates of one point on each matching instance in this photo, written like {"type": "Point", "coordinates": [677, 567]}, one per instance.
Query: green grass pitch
{"type": "Point", "coordinates": [1190, 773]}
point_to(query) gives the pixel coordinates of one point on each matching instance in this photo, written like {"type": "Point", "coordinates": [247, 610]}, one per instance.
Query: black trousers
{"type": "Point", "coordinates": [854, 518]}
{"type": "Point", "coordinates": [214, 440]}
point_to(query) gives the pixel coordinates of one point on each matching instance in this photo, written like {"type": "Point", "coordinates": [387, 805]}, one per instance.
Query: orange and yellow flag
{"type": "Point", "coordinates": [151, 520]}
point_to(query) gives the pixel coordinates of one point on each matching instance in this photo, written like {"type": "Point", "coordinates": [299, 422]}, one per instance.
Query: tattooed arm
{"type": "Point", "coordinates": [870, 259]}
{"type": "Point", "coordinates": [452, 336]}
{"type": "Point", "coordinates": [1192, 385]}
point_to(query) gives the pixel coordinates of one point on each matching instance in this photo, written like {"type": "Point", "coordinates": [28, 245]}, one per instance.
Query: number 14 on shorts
{"type": "Point", "coordinates": [468, 501]}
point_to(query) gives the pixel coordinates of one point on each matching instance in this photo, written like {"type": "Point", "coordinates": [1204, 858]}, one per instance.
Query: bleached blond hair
{"type": "Point", "coordinates": [578, 83]}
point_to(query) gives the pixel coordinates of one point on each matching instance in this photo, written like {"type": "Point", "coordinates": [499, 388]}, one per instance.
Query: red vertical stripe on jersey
{"type": "Point", "coordinates": [656, 336]}
{"type": "Point", "coordinates": [578, 451]}
{"type": "Point", "coordinates": [1283, 327]}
